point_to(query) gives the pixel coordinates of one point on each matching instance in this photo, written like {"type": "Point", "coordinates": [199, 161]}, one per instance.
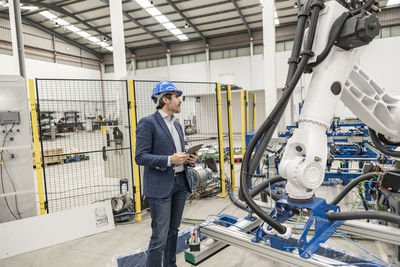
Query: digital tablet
{"type": "Point", "coordinates": [194, 149]}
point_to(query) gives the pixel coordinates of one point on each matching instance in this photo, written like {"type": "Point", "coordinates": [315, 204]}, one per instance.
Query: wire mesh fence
{"type": "Point", "coordinates": [84, 129]}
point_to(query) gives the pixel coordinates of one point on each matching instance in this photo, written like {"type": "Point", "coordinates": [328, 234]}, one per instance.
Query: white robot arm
{"type": "Point", "coordinates": [337, 78]}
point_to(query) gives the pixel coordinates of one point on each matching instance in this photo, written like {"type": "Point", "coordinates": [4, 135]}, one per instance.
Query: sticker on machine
{"type": "Point", "coordinates": [101, 217]}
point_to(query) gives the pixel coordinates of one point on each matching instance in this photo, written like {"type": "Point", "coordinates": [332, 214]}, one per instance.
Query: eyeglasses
{"type": "Point", "coordinates": [174, 93]}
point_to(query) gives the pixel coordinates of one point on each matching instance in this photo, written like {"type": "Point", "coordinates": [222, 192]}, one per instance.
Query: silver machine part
{"type": "Point", "coordinates": [200, 176]}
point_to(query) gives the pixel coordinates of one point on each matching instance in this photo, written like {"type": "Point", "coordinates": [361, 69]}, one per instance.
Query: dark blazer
{"type": "Point", "coordinates": [154, 143]}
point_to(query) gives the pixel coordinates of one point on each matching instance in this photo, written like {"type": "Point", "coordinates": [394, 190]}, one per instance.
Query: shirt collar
{"type": "Point", "coordinates": [165, 115]}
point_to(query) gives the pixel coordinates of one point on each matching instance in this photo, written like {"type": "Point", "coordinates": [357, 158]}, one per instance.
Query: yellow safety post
{"type": "Point", "coordinates": [254, 111]}
{"type": "Point", "coordinates": [242, 117]}
{"type": "Point", "coordinates": [220, 138]}
{"type": "Point", "coordinates": [135, 166]}
{"type": "Point", "coordinates": [231, 148]}
{"type": "Point", "coordinates": [247, 111]}
{"type": "Point", "coordinates": [35, 132]}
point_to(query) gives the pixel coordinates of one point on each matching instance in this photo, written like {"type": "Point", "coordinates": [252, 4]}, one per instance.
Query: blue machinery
{"type": "Point", "coordinates": [305, 249]}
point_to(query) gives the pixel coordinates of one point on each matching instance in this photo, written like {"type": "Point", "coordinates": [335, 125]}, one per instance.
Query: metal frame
{"type": "Point", "coordinates": [231, 147]}
{"type": "Point", "coordinates": [243, 18]}
{"type": "Point", "coordinates": [187, 20]}
{"type": "Point", "coordinates": [136, 175]}
{"type": "Point", "coordinates": [220, 140]}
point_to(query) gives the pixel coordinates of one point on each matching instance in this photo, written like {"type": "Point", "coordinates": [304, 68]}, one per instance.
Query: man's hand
{"type": "Point", "coordinates": [192, 158]}
{"type": "Point", "coordinates": [179, 158]}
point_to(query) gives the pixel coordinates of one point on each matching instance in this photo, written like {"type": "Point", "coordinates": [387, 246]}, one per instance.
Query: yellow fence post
{"type": "Point", "coordinates": [35, 132]}
{"type": "Point", "coordinates": [247, 111]}
{"type": "Point", "coordinates": [220, 138]}
{"type": "Point", "coordinates": [231, 148]}
{"type": "Point", "coordinates": [254, 111]}
{"type": "Point", "coordinates": [132, 102]}
{"type": "Point", "coordinates": [242, 118]}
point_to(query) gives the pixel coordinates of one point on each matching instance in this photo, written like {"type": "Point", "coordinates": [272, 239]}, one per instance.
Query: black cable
{"type": "Point", "coordinates": [2, 187]}
{"type": "Point", "coordinates": [384, 140]}
{"type": "Point", "coordinates": [265, 184]}
{"type": "Point", "coordinates": [334, 33]}
{"type": "Point", "coordinates": [269, 125]}
{"type": "Point", "coordinates": [359, 215]}
{"type": "Point", "coordinates": [380, 146]}
{"type": "Point", "coordinates": [351, 185]}
{"type": "Point", "coordinates": [361, 193]}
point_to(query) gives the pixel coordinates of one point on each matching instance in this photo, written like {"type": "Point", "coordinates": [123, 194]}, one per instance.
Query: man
{"type": "Point", "coordinates": [160, 149]}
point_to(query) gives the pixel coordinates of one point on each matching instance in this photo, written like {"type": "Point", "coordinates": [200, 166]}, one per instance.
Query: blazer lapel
{"type": "Point", "coordinates": [161, 121]}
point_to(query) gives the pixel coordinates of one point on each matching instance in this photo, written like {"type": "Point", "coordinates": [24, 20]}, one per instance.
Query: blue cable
{"type": "Point", "coordinates": [360, 247]}
{"type": "Point", "coordinates": [348, 264]}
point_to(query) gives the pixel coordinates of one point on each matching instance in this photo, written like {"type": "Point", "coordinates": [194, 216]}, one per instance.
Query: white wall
{"type": "Point", "coordinates": [43, 69]}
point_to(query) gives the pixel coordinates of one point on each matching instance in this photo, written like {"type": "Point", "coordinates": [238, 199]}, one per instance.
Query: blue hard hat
{"type": "Point", "coordinates": [165, 87]}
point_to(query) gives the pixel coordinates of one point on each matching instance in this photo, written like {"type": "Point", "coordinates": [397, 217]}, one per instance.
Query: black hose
{"type": "Point", "coordinates": [269, 125]}
{"type": "Point", "coordinates": [359, 215]}
{"type": "Point", "coordinates": [380, 146]}
{"type": "Point", "coordinates": [384, 140]}
{"type": "Point", "coordinates": [364, 7]}
{"type": "Point", "coordinates": [265, 184]}
{"type": "Point", "coordinates": [351, 185]}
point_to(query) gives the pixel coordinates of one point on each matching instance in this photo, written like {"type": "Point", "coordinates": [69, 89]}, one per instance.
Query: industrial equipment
{"type": "Point", "coordinates": [17, 195]}
{"type": "Point", "coordinates": [328, 50]}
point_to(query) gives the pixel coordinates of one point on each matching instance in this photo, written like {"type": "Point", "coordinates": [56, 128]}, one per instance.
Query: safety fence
{"type": "Point", "coordinates": [84, 131]}
{"type": "Point", "coordinates": [87, 136]}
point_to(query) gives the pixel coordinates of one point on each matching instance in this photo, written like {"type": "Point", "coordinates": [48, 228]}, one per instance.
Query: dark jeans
{"type": "Point", "coordinates": [166, 214]}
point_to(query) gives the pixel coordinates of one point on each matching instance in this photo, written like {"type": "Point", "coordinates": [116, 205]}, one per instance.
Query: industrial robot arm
{"type": "Point", "coordinates": [336, 78]}
{"type": "Point", "coordinates": [330, 49]}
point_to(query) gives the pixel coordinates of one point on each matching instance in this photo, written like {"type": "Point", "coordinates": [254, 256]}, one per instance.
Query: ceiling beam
{"type": "Point", "coordinates": [243, 19]}
{"type": "Point", "coordinates": [69, 14]}
{"type": "Point", "coordinates": [141, 26]}
{"type": "Point", "coordinates": [56, 34]}
{"type": "Point", "coordinates": [187, 21]}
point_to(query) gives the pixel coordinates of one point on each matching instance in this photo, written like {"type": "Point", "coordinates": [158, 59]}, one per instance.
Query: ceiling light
{"type": "Point", "coordinates": [153, 11]}
{"type": "Point", "coordinates": [103, 44]}
{"type": "Point", "coordinates": [30, 8]}
{"type": "Point", "coordinates": [84, 34]}
{"type": "Point", "coordinates": [144, 3]}
{"type": "Point", "coordinates": [182, 37]}
{"type": "Point", "coordinates": [162, 19]}
{"type": "Point", "coordinates": [176, 31]}
{"type": "Point", "coordinates": [61, 22]}
{"type": "Point", "coordinates": [186, 25]}
{"type": "Point", "coordinates": [72, 28]}
{"type": "Point", "coordinates": [94, 39]}
{"type": "Point", "coordinates": [276, 19]}
{"type": "Point", "coordinates": [169, 25]}
{"type": "Point", "coordinates": [48, 15]}
{"type": "Point", "coordinates": [393, 2]}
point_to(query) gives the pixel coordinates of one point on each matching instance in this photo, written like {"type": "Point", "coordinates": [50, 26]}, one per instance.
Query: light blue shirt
{"type": "Point", "coordinates": [177, 141]}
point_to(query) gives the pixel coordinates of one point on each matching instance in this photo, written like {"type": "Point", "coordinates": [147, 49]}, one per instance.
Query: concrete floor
{"type": "Point", "coordinates": [99, 249]}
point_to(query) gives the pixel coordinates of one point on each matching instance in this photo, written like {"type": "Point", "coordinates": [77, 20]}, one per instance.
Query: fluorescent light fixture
{"type": "Point", "coordinates": [94, 39]}
{"type": "Point", "coordinates": [72, 28]}
{"type": "Point", "coordinates": [393, 2]}
{"type": "Point", "coordinates": [48, 15]}
{"type": "Point", "coordinates": [109, 48]}
{"type": "Point", "coordinates": [84, 34]}
{"type": "Point", "coordinates": [169, 25]}
{"type": "Point", "coordinates": [103, 44]}
{"type": "Point", "coordinates": [182, 37]}
{"type": "Point", "coordinates": [276, 19]}
{"type": "Point", "coordinates": [162, 19]}
{"type": "Point", "coordinates": [153, 11]}
{"type": "Point", "coordinates": [176, 31]}
{"type": "Point", "coordinates": [61, 22]}
{"type": "Point", "coordinates": [144, 3]}
{"type": "Point", "coordinates": [30, 8]}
